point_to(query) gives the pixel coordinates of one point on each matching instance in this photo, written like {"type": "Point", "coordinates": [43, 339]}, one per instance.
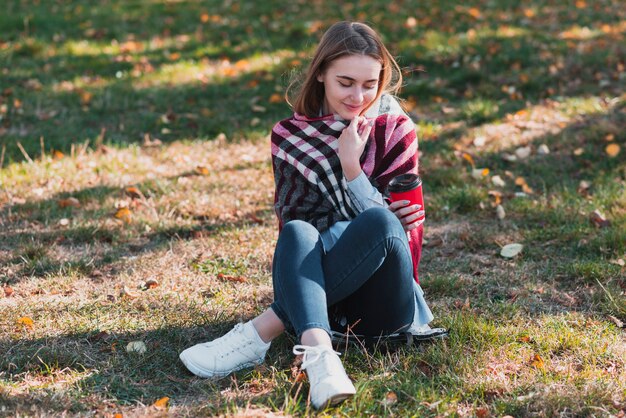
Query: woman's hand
{"type": "Point", "coordinates": [407, 213]}
{"type": "Point", "coordinates": [352, 142]}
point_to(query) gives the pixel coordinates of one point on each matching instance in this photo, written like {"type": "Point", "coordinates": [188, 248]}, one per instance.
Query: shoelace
{"type": "Point", "coordinates": [227, 338]}
{"type": "Point", "coordinates": [311, 353]}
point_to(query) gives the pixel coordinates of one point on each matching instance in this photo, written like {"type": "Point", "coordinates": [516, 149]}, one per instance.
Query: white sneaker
{"type": "Point", "coordinates": [241, 347]}
{"type": "Point", "coordinates": [328, 380]}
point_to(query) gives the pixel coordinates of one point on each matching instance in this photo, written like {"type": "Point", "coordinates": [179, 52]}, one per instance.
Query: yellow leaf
{"type": "Point", "coordinates": [529, 12]}
{"type": "Point", "coordinates": [468, 158]}
{"type": "Point", "coordinates": [161, 403]}
{"type": "Point", "coordinates": [390, 399]}
{"type": "Point", "coordinates": [85, 97]}
{"type": "Point", "coordinates": [203, 171]}
{"type": "Point", "coordinates": [124, 214]}
{"type": "Point", "coordinates": [520, 181]}
{"type": "Point", "coordinates": [474, 12]}
{"type": "Point", "coordinates": [57, 155]}
{"type": "Point", "coordinates": [612, 150]}
{"type": "Point", "coordinates": [242, 64]}
{"type": "Point", "coordinates": [537, 362]}
{"type": "Point", "coordinates": [133, 192]}
{"type": "Point", "coordinates": [25, 322]}
{"type": "Point", "coordinates": [276, 98]}
{"type": "Point", "coordinates": [497, 196]}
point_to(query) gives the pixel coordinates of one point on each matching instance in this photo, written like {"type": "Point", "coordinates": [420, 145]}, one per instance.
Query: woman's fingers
{"type": "Point", "coordinates": [409, 219]}
{"type": "Point", "coordinates": [414, 225]}
{"type": "Point", "coordinates": [365, 133]}
{"type": "Point", "coordinates": [401, 212]}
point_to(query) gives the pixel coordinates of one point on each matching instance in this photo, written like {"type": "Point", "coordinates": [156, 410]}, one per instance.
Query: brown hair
{"type": "Point", "coordinates": [341, 39]}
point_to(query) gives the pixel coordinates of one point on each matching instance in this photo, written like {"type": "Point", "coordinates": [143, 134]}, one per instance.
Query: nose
{"type": "Point", "coordinates": [357, 95]}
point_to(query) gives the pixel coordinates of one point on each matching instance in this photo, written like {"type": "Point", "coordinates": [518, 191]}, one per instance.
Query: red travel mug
{"type": "Point", "coordinates": [407, 187]}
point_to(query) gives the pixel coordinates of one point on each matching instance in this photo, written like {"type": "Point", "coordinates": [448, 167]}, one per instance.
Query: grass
{"type": "Point", "coordinates": [158, 112]}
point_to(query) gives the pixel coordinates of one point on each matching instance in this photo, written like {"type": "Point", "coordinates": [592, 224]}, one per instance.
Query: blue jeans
{"type": "Point", "coordinates": [365, 277]}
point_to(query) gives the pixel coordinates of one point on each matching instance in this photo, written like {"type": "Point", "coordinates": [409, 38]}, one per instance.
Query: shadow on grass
{"type": "Point", "coordinates": [472, 71]}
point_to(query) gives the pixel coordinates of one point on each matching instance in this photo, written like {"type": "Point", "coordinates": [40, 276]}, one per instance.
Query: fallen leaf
{"type": "Point", "coordinates": [436, 241]}
{"type": "Point", "coordinates": [497, 197]}
{"type": "Point", "coordinates": [616, 321]}
{"type": "Point", "coordinates": [85, 97]}
{"type": "Point", "coordinates": [134, 192]}
{"type": "Point", "coordinates": [201, 170]}
{"type": "Point", "coordinates": [583, 187]}
{"type": "Point", "coordinates": [57, 155]}
{"type": "Point", "coordinates": [543, 149]}
{"type": "Point", "coordinates": [124, 214]}
{"type": "Point", "coordinates": [467, 157]}
{"type": "Point", "coordinates": [524, 339]}
{"type": "Point", "coordinates": [511, 250]}
{"type": "Point", "coordinates": [70, 201]}
{"type": "Point", "coordinates": [118, 415]}
{"type": "Point", "coordinates": [151, 284]}
{"type": "Point", "coordinates": [255, 122]}
{"type": "Point", "coordinates": [620, 262]}
{"type": "Point", "coordinates": [522, 153]}
{"type": "Point", "coordinates": [410, 23]}
{"type": "Point", "coordinates": [276, 98]}
{"type": "Point", "coordinates": [256, 219]}
{"type": "Point", "coordinates": [500, 213]}
{"type": "Point", "coordinates": [612, 150]}
{"type": "Point", "coordinates": [258, 109]}
{"type": "Point", "coordinates": [598, 219]}
{"type": "Point", "coordinates": [8, 291]}
{"type": "Point", "coordinates": [237, 279]}
{"type": "Point", "coordinates": [482, 412]}
{"type": "Point", "coordinates": [497, 181]}
{"type": "Point", "coordinates": [390, 399]}
{"type": "Point", "coordinates": [64, 222]}
{"type": "Point", "coordinates": [462, 305]}
{"type": "Point", "coordinates": [149, 142]}
{"type": "Point", "coordinates": [161, 403]}
{"type": "Point", "coordinates": [509, 157]}
{"type": "Point", "coordinates": [537, 362]}
{"type": "Point", "coordinates": [127, 293]}
{"type": "Point", "coordinates": [479, 173]}
{"type": "Point", "coordinates": [25, 322]}
{"type": "Point", "coordinates": [138, 347]}
{"type": "Point", "coordinates": [475, 13]}
{"type": "Point", "coordinates": [579, 151]}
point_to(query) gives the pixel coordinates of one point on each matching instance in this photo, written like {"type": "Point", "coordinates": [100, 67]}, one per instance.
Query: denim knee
{"type": "Point", "coordinates": [298, 230]}
{"type": "Point", "coordinates": [384, 221]}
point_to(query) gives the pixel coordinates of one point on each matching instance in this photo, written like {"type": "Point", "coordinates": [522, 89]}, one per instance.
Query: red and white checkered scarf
{"type": "Point", "coordinates": [310, 184]}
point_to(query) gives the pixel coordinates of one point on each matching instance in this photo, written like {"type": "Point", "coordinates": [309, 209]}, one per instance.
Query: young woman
{"type": "Point", "coordinates": [346, 259]}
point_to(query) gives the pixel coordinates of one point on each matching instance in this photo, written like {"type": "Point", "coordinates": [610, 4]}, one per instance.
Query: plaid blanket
{"type": "Point", "coordinates": [310, 185]}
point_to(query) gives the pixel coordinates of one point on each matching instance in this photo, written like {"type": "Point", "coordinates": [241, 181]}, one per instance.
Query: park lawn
{"type": "Point", "coordinates": [136, 204]}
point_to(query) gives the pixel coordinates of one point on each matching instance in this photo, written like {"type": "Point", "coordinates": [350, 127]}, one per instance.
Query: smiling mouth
{"type": "Point", "coordinates": [352, 107]}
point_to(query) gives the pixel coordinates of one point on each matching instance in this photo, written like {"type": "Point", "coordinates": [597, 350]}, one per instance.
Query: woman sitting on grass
{"type": "Point", "coordinates": [346, 260]}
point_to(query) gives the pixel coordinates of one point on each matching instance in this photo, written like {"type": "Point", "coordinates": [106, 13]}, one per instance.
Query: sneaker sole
{"type": "Point", "coordinates": [200, 372]}
{"type": "Point", "coordinates": [335, 400]}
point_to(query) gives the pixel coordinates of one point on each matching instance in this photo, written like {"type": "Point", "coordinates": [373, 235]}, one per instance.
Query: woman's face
{"type": "Point", "coordinates": [350, 85]}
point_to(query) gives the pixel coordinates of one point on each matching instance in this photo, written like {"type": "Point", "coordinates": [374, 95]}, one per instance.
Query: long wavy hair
{"type": "Point", "coordinates": [341, 39]}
